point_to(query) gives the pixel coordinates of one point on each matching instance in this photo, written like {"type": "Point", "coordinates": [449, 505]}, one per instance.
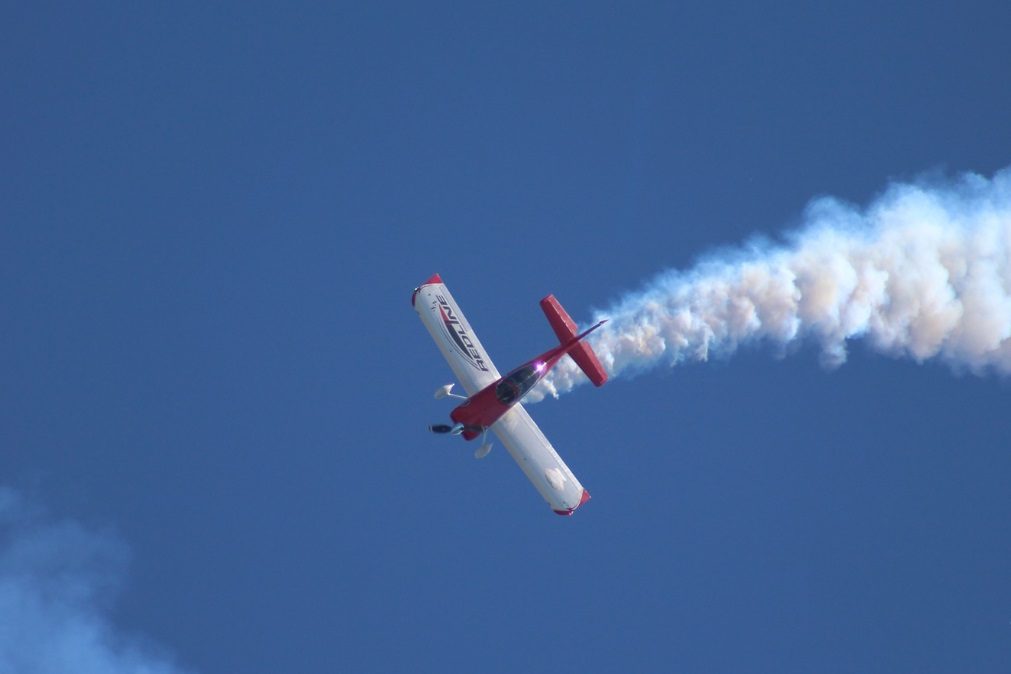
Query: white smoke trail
{"type": "Point", "coordinates": [56, 582]}
{"type": "Point", "coordinates": [924, 271]}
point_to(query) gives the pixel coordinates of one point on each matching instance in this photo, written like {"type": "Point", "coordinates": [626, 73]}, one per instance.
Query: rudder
{"type": "Point", "coordinates": [565, 330]}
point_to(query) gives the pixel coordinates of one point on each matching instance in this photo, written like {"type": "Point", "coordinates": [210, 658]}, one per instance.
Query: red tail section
{"type": "Point", "coordinates": [565, 329]}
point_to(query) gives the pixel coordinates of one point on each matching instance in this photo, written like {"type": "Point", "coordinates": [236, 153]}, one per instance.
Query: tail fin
{"type": "Point", "coordinates": [565, 329]}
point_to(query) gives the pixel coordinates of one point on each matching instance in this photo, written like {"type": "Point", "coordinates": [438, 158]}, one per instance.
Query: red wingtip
{"type": "Point", "coordinates": [434, 278]}
{"type": "Point", "coordinates": [568, 512]}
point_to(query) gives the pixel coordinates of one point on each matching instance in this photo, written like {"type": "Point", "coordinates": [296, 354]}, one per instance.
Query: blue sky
{"type": "Point", "coordinates": [214, 391]}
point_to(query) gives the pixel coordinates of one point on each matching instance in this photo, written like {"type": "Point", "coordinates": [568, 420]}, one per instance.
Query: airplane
{"type": "Point", "coordinates": [493, 401]}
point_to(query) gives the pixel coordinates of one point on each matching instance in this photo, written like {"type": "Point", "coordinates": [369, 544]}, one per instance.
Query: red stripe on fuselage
{"type": "Point", "coordinates": [484, 408]}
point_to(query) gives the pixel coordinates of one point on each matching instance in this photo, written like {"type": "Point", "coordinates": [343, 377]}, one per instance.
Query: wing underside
{"type": "Point", "coordinates": [539, 461]}
{"type": "Point", "coordinates": [454, 336]}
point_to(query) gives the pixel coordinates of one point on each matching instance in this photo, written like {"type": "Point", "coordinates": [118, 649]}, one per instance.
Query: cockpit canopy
{"type": "Point", "coordinates": [518, 383]}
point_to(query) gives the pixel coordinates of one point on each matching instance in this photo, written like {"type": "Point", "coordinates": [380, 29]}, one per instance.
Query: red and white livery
{"type": "Point", "coordinates": [492, 401]}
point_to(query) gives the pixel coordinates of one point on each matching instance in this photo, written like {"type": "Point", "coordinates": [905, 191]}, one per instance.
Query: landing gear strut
{"type": "Point", "coordinates": [485, 447]}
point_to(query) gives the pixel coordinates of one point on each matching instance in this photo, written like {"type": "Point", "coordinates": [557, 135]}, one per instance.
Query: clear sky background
{"type": "Point", "coordinates": [214, 393]}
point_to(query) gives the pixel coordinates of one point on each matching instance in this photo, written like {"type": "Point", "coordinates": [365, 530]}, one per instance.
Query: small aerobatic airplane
{"type": "Point", "coordinates": [493, 401]}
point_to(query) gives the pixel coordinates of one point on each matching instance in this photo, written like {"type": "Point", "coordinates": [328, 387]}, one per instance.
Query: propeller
{"type": "Point", "coordinates": [455, 429]}
{"type": "Point", "coordinates": [482, 451]}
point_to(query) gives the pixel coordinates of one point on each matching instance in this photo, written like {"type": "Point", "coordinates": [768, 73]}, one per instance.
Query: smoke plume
{"type": "Point", "coordinates": [922, 272]}
{"type": "Point", "coordinates": [57, 581]}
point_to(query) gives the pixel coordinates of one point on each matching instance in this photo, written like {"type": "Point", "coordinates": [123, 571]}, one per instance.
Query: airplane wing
{"type": "Point", "coordinates": [475, 370]}
{"type": "Point", "coordinates": [539, 460]}
{"type": "Point", "coordinates": [453, 335]}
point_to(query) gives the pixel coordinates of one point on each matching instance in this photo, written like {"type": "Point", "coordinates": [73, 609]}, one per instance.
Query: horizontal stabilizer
{"type": "Point", "coordinates": [565, 330]}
